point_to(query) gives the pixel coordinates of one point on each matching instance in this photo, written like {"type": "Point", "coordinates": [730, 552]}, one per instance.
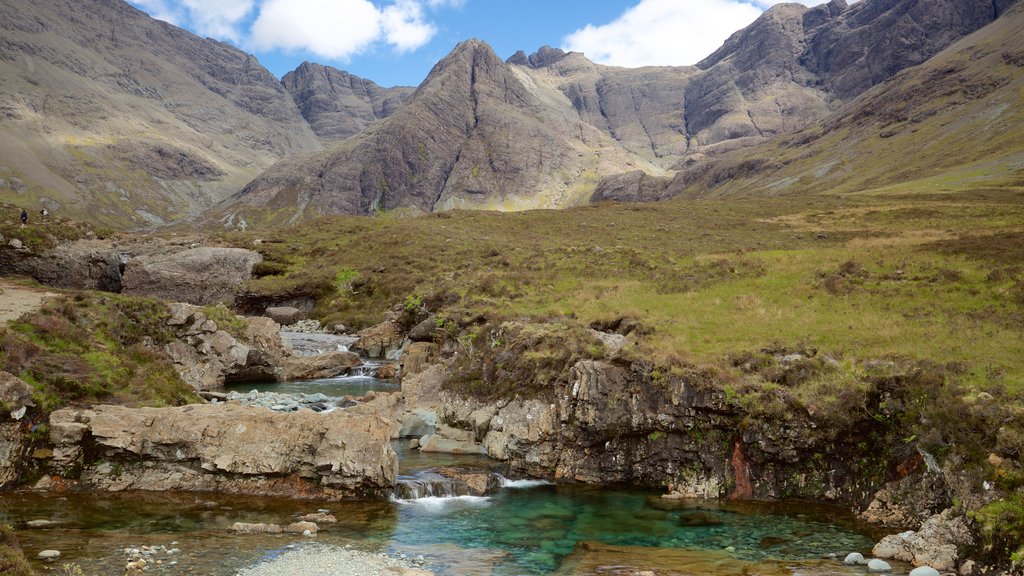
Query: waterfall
{"type": "Point", "coordinates": [429, 485]}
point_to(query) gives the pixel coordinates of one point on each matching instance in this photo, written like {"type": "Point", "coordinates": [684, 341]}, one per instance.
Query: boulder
{"type": "Point", "coordinates": [853, 558]}
{"type": "Point", "coordinates": [326, 365]}
{"type": "Point", "coordinates": [199, 276]}
{"type": "Point", "coordinates": [418, 423]}
{"type": "Point", "coordinates": [234, 449]}
{"type": "Point", "coordinates": [284, 315]}
{"type": "Point", "coordinates": [479, 482]}
{"type": "Point", "coordinates": [15, 396]}
{"type": "Point", "coordinates": [424, 331]}
{"type": "Point", "coordinates": [380, 341]}
{"type": "Point", "coordinates": [936, 544]}
{"type": "Point", "coordinates": [924, 571]}
{"type": "Point", "coordinates": [437, 443]}
{"type": "Point", "coordinates": [876, 565]}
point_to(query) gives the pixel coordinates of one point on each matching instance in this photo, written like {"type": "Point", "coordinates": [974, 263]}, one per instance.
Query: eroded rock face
{"type": "Point", "coordinates": [202, 276]}
{"type": "Point", "coordinates": [228, 448]}
{"type": "Point", "coordinates": [80, 265]}
{"type": "Point", "coordinates": [326, 365]}
{"type": "Point", "coordinates": [338, 104]}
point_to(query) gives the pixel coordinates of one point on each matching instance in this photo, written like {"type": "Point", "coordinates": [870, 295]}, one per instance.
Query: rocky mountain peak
{"type": "Point", "coordinates": [338, 104]}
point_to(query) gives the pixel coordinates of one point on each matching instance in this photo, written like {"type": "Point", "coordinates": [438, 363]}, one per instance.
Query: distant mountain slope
{"type": "Point", "coordinates": [478, 133]}
{"type": "Point", "coordinates": [110, 115]}
{"type": "Point", "coordinates": [955, 122]}
{"type": "Point", "coordinates": [553, 129]}
{"type": "Point", "coordinates": [338, 104]}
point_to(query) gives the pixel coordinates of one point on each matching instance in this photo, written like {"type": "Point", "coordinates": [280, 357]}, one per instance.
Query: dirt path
{"type": "Point", "coordinates": [16, 300]}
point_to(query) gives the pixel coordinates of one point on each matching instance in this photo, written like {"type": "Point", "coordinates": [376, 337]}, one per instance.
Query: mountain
{"type": "Point", "coordinates": [951, 124]}
{"type": "Point", "coordinates": [584, 131]}
{"type": "Point", "coordinates": [477, 133]}
{"type": "Point", "coordinates": [338, 104]}
{"type": "Point", "coordinates": [112, 116]}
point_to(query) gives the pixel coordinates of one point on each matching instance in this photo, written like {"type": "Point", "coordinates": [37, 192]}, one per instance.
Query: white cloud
{"type": "Point", "coordinates": [404, 26]}
{"type": "Point", "coordinates": [336, 29]}
{"type": "Point", "coordinates": [220, 19]}
{"type": "Point", "coordinates": [667, 32]}
{"type": "Point", "coordinates": [330, 28]}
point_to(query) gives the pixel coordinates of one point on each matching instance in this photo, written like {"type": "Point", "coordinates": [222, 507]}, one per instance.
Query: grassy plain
{"type": "Point", "coordinates": [912, 274]}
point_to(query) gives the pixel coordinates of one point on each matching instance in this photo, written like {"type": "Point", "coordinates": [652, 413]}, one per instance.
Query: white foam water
{"type": "Point", "coordinates": [440, 503]}
{"type": "Point", "coordinates": [521, 484]}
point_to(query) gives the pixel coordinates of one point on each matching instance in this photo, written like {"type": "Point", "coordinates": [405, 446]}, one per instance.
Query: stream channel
{"type": "Point", "coordinates": [525, 527]}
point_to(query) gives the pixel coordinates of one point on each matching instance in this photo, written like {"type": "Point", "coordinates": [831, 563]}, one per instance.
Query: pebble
{"type": "Point", "coordinates": [49, 554]}
{"type": "Point", "coordinates": [924, 571]}
{"type": "Point", "coordinates": [278, 402]}
{"type": "Point", "coordinates": [331, 561]}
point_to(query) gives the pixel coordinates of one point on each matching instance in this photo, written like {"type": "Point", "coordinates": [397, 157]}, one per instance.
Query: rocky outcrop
{"type": "Point", "coordinates": [936, 544]}
{"type": "Point", "coordinates": [380, 341]}
{"type": "Point", "coordinates": [206, 355]}
{"type": "Point", "coordinates": [635, 186]}
{"type": "Point", "coordinates": [205, 275]}
{"type": "Point", "coordinates": [231, 449]}
{"type": "Point", "coordinates": [338, 104]}
{"type": "Point", "coordinates": [80, 265]}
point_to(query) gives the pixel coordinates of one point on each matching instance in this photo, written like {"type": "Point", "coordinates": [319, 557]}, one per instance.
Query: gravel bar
{"type": "Point", "coordinates": [331, 561]}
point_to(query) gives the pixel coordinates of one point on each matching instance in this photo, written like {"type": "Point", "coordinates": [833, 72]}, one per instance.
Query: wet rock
{"type": "Point", "coordinates": [302, 527]}
{"type": "Point", "coordinates": [876, 565]}
{"type": "Point", "coordinates": [49, 555]}
{"type": "Point", "coordinates": [418, 423]}
{"type": "Point", "coordinates": [318, 518]}
{"type": "Point", "coordinates": [479, 482]}
{"type": "Point", "coordinates": [853, 558]}
{"type": "Point", "coordinates": [247, 528]}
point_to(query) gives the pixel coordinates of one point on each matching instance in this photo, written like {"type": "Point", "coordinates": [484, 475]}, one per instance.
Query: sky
{"type": "Point", "coordinates": [397, 42]}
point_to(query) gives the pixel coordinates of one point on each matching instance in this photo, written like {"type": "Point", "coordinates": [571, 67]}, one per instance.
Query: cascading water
{"type": "Point", "coordinates": [429, 485]}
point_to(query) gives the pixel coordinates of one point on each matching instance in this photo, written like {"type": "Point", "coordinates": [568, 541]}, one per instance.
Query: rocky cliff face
{"type": "Point", "coordinates": [546, 129]}
{"type": "Point", "coordinates": [338, 104]}
{"type": "Point", "coordinates": [114, 116]}
{"type": "Point", "coordinates": [478, 133]}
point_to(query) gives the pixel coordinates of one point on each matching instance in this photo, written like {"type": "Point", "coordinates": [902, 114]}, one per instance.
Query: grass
{"type": "Point", "coordinates": [938, 276]}
{"type": "Point", "coordinates": [86, 348]}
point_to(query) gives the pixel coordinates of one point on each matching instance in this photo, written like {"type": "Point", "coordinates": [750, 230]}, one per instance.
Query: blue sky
{"type": "Point", "coordinates": [396, 42]}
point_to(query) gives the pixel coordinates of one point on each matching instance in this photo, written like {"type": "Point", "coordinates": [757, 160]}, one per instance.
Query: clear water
{"type": "Point", "coordinates": [525, 528]}
{"type": "Point", "coordinates": [356, 385]}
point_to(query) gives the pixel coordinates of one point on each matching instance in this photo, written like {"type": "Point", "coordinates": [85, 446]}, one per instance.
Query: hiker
{"type": "Point", "coordinates": [24, 217]}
